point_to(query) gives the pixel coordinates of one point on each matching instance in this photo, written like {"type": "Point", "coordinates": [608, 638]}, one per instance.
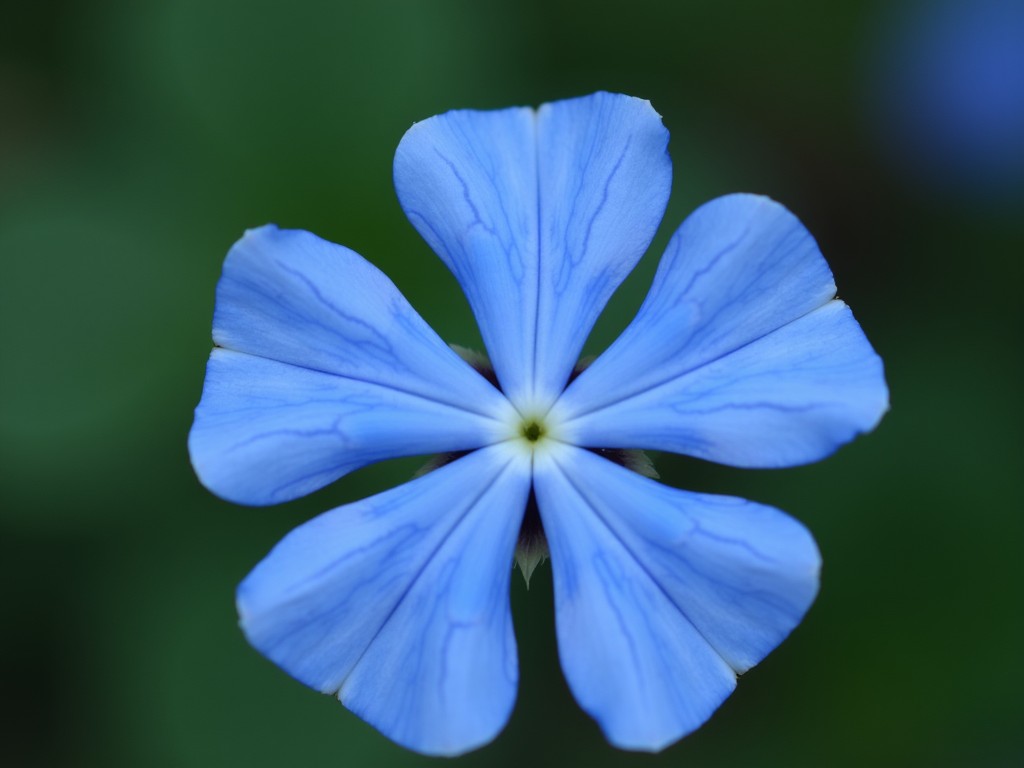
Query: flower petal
{"type": "Point", "coordinates": [539, 215]}
{"type": "Point", "coordinates": [267, 432]}
{"type": "Point", "coordinates": [400, 603]}
{"type": "Point", "coordinates": [290, 296]}
{"type": "Point", "coordinates": [324, 368]}
{"type": "Point", "coordinates": [739, 354]}
{"type": "Point", "coordinates": [790, 397]}
{"type": "Point", "coordinates": [663, 595]}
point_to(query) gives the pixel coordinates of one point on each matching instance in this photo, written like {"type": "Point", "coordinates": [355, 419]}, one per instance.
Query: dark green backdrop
{"type": "Point", "coordinates": [139, 139]}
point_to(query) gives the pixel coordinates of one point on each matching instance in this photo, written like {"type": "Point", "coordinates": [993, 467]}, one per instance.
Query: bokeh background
{"type": "Point", "coordinates": [139, 138]}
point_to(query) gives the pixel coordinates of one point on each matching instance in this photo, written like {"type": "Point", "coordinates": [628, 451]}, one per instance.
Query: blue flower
{"type": "Point", "coordinates": [399, 604]}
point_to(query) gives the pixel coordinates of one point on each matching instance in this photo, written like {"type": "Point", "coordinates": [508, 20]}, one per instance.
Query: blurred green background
{"type": "Point", "coordinates": [139, 139]}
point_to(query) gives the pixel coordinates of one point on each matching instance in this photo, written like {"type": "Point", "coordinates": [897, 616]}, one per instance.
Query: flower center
{"type": "Point", "coordinates": [532, 430]}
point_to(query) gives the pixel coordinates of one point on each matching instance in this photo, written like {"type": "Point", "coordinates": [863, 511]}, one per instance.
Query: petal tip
{"type": "Point", "coordinates": [268, 228]}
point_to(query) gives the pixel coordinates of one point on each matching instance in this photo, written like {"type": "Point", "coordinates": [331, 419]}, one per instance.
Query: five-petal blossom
{"type": "Point", "coordinates": [399, 604]}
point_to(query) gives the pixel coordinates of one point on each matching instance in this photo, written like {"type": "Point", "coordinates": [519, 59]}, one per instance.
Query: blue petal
{"type": "Point", "coordinates": [662, 596]}
{"type": "Point", "coordinates": [399, 603]}
{"type": "Point", "coordinates": [539, 215]}
{"type": "Point", "coordinates": [289, 296]}
{"type": "Point", "coordinates": [324, 368]}
{"type": "Point", "coordinates": [790, 397]}
{"type": "Point", "coordinates": [738, 355]}
{"type": "Point", "coordinates": [267, 432]}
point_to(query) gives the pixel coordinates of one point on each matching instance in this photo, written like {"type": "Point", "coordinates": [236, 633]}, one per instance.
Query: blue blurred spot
{"type": "Point", "coordinates": [948, 81]}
